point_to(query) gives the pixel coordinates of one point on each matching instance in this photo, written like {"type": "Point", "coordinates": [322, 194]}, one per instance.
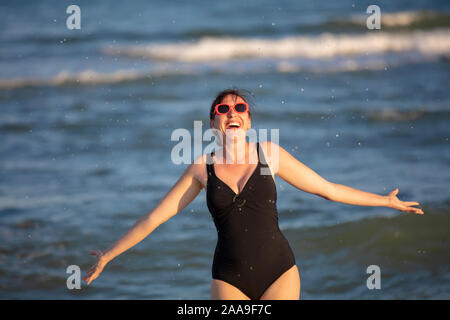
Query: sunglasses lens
{"type": "Point", "coordinates": [240, 107]}
{"type": "Point", "coordinates": [223, 108]}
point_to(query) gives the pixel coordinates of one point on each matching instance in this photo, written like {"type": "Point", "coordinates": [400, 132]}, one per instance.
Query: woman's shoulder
{"type": "Point", "coordinates": [270, 153]}
{"type": "Point", "coordinates": [198, 168]}
{"type": "Point", "coordinates": [269, 148]}
{"type": "Point", "coordinates": [199, 163]}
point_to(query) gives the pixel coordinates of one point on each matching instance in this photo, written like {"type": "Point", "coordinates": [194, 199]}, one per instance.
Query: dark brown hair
{"type": "Point", "coordinates": [242, 93]}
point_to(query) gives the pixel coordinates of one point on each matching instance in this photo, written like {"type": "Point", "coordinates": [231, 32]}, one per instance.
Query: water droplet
{"type": "Point", "coordinates": [251, 268]}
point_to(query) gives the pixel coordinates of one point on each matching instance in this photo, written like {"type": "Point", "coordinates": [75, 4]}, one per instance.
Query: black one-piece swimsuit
{"type": "Point", "coordinates": [251, 251]}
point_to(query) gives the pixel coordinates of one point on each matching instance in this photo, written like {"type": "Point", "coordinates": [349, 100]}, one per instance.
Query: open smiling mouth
{"type": "Point", "coordinates": [233, 125]}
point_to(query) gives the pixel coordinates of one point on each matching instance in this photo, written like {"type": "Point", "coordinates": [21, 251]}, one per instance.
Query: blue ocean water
{"type": "Point", "coordinates": [87, 117]}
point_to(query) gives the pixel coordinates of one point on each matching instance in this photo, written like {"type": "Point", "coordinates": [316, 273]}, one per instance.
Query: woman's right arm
{"type": "Point", "coordinates": [182, 193]}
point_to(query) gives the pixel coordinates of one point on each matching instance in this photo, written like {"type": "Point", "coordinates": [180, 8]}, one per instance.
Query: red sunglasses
{"type": "Point", "coordinates": [223, 108]}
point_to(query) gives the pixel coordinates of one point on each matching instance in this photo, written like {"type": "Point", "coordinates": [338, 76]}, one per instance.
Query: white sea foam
{"type": "Point", "coordinates": [89, 77]}
{"type": "Point", "coordinates": [64, 77]}
{"type": "Point", "coordinates": [326, 45]}
{"type": "Point", "coordinates": [402, 18]}
{"type": "Point", "coordinates": [346, 65]}
{"type": "Point", "coordinates": [324, 53]}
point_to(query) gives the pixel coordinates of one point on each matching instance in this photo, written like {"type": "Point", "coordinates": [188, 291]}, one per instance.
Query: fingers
{"type": "Point", "coordinates": [88, 280]}
{"type": "Point", "coordinates": [93, 268]}
{"type": "Point", "coordinates": [90, 277]}
{"type": "Point", "coordinates": [90, 271]}
{"type": "Point", "coordinates": [403, 205]}
{"type": "Point", "coordinates": [408, 204]}
{"type": "Point", "coordinates": [94, 271]}
{"type": "Point", "coordinates": [413, 210]}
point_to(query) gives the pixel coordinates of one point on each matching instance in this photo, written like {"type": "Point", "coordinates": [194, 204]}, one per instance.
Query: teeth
{"type": "Point", "coordinates": [234, 125]}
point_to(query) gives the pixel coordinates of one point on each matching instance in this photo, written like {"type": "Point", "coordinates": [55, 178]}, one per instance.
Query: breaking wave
{"type": "Point", "coordinates": [323, 46]}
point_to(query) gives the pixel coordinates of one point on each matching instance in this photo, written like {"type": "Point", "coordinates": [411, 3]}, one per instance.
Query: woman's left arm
{"type": "Point", "coordinates": [300, 176]}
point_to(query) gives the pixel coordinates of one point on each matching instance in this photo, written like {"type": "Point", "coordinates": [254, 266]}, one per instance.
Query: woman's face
{"type": "Point", "coordinates": [233, 121]}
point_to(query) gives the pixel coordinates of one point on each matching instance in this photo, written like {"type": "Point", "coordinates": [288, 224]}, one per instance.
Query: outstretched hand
{"type": "Point", "coordinates": [96, 269]}
{"type": "Point", "coordinates": [405, 206]}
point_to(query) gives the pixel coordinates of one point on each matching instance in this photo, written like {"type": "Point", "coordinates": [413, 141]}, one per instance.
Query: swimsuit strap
{"type": "Point", "coordinates": [210, 164]}
{"type": "Point", "coordinates": [264, 162]}
{"type": "Point", "coordinates": [257, 150]}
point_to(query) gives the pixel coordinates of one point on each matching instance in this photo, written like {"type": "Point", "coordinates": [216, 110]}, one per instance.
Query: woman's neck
{"type": "Point", "coordinates": [235, 151]}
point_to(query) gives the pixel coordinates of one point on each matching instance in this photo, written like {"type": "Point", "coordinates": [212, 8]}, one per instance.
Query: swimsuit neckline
{"type": "Point", "coordinates": [246, 183]}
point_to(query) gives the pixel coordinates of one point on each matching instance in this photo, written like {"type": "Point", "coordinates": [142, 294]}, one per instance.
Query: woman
{"type": "Point", "coordinates": [252, 259]}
